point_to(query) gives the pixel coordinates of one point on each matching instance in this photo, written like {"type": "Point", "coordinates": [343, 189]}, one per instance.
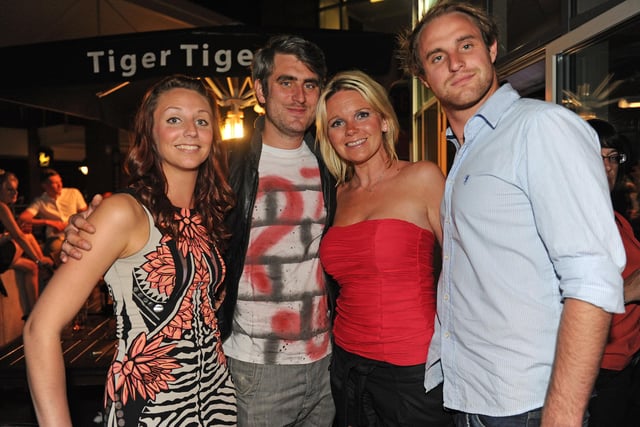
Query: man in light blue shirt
{"type": "Point", "coordinates": [531, 254]}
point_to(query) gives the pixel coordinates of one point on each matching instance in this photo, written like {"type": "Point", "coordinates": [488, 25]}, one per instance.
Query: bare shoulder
{"type": "Point", "coordinates": [7, 219]}
{"type": "Point", "coordinates": [120, 222]}
{"type": "Point", "coordinates": [121, 210]}
{"type": "Point", "coordinates": [5, 212]}
{"type": "Point", "coordinates": [425, 180]}
{"type": "Point", "coordinates": [422, 170]}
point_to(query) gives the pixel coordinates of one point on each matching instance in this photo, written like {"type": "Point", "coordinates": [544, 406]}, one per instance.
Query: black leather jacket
{"type": "Point", "coordinates": [243, 177]}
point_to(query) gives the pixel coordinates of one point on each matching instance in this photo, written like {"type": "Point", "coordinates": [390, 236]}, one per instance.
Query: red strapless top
{"type": "Point", "coordinates": [387, 303]}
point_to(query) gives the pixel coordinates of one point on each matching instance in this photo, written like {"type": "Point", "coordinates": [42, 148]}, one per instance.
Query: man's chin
{"type": "Point", "coordinates": [299, 125]}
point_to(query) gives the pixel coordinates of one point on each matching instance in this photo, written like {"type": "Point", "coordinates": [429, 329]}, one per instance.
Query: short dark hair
{"type": "Point", "coordinates": [47, 173]}
{"type": "Point", "coordinates": [307, 52]}
{"type": "Point", "coordinates": [609, 136]}
{"type": "Point", "coordinates": [409, 42]}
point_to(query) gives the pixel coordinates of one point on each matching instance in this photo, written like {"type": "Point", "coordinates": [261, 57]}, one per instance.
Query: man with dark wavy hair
{"type": "Point", "coordinates": [279, 347]}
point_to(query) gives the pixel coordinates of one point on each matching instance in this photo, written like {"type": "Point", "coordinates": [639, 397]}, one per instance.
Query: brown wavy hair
{"type": "Point", "coordinates": [213, 194]}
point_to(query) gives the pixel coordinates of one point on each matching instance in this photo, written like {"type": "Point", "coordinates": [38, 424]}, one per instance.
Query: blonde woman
{"type": "Point", "coordinates": [380, 249]}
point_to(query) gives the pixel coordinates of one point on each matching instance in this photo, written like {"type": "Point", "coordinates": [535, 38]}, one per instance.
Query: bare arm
{"type": "Point", "coordinates": [434, 181]}
{"type": "Point", "coordinates": [35, 247]}
{"type": "Point", "coordinates": [16, 233]}
{"type": "Point", "coordinates": [436, 192]}
{"type": "Point", "coordinates": [632, 288]}
{"type": "Point", "coordinates": [27, 217]}
{"type": "Point", "coordinates": [581, 339]}
{"type": "Point", "coordinates": [74, 244]}
{"type": "Point", "coordinates": [124, 229]}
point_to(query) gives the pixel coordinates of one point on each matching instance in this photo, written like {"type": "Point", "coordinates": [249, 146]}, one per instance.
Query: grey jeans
{"type": "Point", "coordinates": [283, 395]}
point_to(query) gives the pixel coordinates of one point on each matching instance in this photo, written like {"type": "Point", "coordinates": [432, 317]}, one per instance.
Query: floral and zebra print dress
{"type": "Point", "coordinates": [169, 368]}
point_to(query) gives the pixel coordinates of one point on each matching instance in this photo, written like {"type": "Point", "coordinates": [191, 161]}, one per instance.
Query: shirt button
{"type": "Point", "coordinates": [446, 297]}
{"type": "Point", "coordinates": [446, 334]}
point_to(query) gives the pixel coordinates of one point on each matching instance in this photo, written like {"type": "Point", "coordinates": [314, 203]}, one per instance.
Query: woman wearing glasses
{"type": "Point", "coordinates": [616, 400]}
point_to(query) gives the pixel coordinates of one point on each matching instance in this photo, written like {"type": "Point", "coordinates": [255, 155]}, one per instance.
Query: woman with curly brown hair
{"type": "Point", "coordinates": [160, 243]}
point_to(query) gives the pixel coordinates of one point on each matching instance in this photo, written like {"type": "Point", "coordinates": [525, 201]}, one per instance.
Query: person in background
{"type": "Point", "coordinates": [380, 250]}
{"type": "Point", "coordinates": [52, 210]}
{"type": "Point", "coordinates": [627, 195]}
{"type": "Point", "coordinates": [276, 314]}
{"type": "Point", "coordinates": [531, 253]}
{"type": "Point", "coordinates": [19, 250]}
{"type": "Point", "coordinates": [616, 401]}
{"type": "Point", "coordinates": [160, 242]}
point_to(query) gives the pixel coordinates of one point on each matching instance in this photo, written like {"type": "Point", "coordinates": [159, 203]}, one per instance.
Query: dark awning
{"type": "Point", "coordinates": [66, 76]}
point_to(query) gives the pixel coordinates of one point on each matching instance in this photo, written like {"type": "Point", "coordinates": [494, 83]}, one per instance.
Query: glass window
{"type": "Point", "coordinates": [602, 79]}
{"type": "Point", "coordinates": [389, 16]}
{"type": "Point", "coordinates": [585, 9]}
{"type": "Point", "coordinates": [526, 24]}
{"type": "Point", "coordinates": [330, 14]}
{"type": "Point", "coordinates": [582, 6]}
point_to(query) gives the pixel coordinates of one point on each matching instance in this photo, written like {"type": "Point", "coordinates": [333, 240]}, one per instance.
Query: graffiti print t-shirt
{"type": "Point", "coordinates": [282, 315]}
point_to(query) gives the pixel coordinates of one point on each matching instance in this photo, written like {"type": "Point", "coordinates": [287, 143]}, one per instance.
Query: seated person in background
{"type": "Point", "coordinates": [616, 401]}
{"type": "Point", "coordinates": [18, 250]}
{"type": "Point", "coordinates": [53, 209]}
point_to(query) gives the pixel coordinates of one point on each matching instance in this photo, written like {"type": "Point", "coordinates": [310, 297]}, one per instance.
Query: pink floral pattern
{"type": "Point", "coordinates": [194, 237]}
{"type": "Point", "coordinates": [147, 367]}
{"type": "Point", "coordinates": [144, 371]}
{"type": "Point", "coordinates": [161, 269]}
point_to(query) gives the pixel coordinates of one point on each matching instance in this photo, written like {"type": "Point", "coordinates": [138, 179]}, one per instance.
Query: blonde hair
{"type": "Point", "coordinates": [377, 97]}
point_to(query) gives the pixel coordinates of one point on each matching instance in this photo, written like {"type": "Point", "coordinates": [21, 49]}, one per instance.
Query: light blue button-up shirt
{"type": "Point", "coordinates": [527, 221]}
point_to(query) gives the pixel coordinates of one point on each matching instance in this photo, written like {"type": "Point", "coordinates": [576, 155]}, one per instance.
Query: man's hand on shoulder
{"type": "Point", "coordinates": [73, 244]}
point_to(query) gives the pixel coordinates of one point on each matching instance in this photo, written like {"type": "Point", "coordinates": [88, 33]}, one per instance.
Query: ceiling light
{"type": "Point", "coordinates": [110, 91]}
{"type": "Point", "coordinates": [632, 102]}
{"type": "Point", "coordinates": [233, 127]}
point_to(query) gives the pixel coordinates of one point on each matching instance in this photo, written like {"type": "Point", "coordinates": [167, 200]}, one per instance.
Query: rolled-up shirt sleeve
{"type": "Point", "coordinates": [572, 209]}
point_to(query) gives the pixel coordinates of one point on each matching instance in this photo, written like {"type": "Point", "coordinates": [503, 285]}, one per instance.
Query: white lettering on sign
{"type": "Point", "coordinates": [126, 64]}
{"type": "Point", "coordinates": [222, 58]}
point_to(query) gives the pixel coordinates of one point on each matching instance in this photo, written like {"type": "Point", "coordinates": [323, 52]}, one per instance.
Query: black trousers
{"type": "Point", "coordinates": [616, 399]}
{"type": "Point", "coordinates": [369, 393]}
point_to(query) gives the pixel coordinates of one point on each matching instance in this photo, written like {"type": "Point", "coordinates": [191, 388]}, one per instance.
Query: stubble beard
{"type": "Point", "coordinates": [468, 97]}
{"type": "Point", "coordinates": [286, 126]}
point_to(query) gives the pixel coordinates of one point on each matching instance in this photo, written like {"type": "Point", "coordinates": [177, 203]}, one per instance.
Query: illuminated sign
{"type": "Point", "coordinates": [214, 52]}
